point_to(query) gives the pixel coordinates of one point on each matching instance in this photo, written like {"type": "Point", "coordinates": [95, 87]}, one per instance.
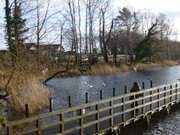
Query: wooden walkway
{"type": "Point", "coordinates": [101, 116]}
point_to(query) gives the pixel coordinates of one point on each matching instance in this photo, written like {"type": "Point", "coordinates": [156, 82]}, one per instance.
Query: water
{"type": "Point", "coordinates": [170, 125]}
{"type": "Point", "coordinates": [76, 87]}
{"type": "Point", "coordinates": [161, 124]}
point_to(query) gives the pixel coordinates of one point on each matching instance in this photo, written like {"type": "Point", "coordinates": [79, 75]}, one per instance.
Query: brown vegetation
{"type": "Point", "coordinates": [26, 90]}
{"type": "Point", "coordinates": [145, 66]}
{"type": "Point", "coordinates": [105, 69]}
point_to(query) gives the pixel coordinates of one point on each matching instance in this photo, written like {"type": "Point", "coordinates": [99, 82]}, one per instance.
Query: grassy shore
{"type": "Point", "coordinates": [105, 69]}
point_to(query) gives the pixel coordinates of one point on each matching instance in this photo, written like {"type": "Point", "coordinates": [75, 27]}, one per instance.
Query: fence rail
{"type": "Point", "coordinates": [92, 118]}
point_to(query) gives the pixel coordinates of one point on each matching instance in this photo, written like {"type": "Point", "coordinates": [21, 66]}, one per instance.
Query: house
{"type": "Point", "coordinates": [54, 52]}
{"type": "Point", "coordinates": [3, 52]}
{"type": "Point", "coordinates": [44, 48]}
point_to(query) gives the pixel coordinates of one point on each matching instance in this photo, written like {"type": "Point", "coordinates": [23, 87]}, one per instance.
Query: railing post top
{"type": "Point", "coordinates": [86, 97]}
{"type": "Point", "coordinates": [151, 84]}
{"type": "Point", "coordinates": [69, 101]}
{"type": "Point", "coordinates": [125, 89]}
{"type": "Point", "coordinates": [143, 85]}
{"type": "Point", "coordinates": [114, 92]}
{"type": "Point", "coordinates": [101, 94]}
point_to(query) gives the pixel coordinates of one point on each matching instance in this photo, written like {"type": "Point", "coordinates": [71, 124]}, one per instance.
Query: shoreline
{"type": "Point", "coordinates": [107, 69]}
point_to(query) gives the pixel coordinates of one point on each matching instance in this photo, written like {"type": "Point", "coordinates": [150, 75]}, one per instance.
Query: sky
{"type": "Point", "coordinates": [168, 7]}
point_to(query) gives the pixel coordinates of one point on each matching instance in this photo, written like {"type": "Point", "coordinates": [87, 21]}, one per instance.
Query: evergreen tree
{"type": "Point", "coordinates": [148, 46]}
{"type": "Point", "coordinates": [8, 29]}
{"type": "Point", "coordinates": [18, 29]}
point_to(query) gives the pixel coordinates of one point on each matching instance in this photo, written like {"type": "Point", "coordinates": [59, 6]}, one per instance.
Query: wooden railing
{"type": "Point", "coordinates": [93, 118]}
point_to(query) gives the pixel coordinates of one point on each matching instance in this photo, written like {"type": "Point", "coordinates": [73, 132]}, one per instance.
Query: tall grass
{"type": "Point", "coordinates": [27, 90]}
{"type": "Point", "coordinates": [102, 69]}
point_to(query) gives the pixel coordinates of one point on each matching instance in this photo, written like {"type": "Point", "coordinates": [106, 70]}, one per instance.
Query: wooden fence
{"type": "Point", "coordinates": [100, 116]}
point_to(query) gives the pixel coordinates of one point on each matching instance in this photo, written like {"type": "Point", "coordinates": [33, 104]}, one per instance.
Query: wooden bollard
{"type": "Point", "coordinates": [50, 104]}
{"type": "Point", "coordinates": [69, 101]}
{"type": "Point", "coordinates": [171, 93]}
{"type": "Point", "coordinates": [165, 95]}
{"type": "Point", "coordinates": [86, 98]}
{"type": "Point", "coordinates": [148, 120]}
{"type": "Point", "coordinates": [151, 84]}
{"type": "Point", "coordinates": [125, 89]}
{"type": "Point", "coordinates": [114, 92]}
{"type": "Point", "coordinates": [143, 85]}
{"type": "Point", "coordinates": [101, 95]}
{"type": "Point", "coordinates": [168, 109]}
{"type": "Point", "coordinates": [26, 110]}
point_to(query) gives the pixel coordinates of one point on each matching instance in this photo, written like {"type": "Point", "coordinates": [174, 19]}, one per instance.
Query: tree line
{"type": "Point", "coordinates": [84, 25]}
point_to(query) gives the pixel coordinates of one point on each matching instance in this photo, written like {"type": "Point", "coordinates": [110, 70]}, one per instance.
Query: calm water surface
{"type": "Point", "coordinates": [76, 87]}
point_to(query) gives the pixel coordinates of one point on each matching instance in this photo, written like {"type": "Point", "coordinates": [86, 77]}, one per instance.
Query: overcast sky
{"type": "Point", "coordinates": [169, 7]}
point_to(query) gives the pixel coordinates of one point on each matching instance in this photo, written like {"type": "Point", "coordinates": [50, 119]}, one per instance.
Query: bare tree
{"type": "Point", "coordinates": [86, 30]}
{"type": "Point", "coordinates": [165, 32]}
{"type": "Point", "coordinates": [40, 23]}
{"type": "Point", "coordinates": [72, 12]}
{"type": "Point", "coordinates": [104, 36]}
{"type": "Point", "coordinates": [80, 37]}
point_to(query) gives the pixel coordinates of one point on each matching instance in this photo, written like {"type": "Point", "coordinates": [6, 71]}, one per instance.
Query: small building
{"type": "Point", "coordinates": [55, 52]}
{"type": "Point", "coordinates": [44, 48]}
{"type": "Point", "coordinates": [3, 52]}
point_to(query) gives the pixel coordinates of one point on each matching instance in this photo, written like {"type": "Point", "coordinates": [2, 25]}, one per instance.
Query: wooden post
{"type": "Point", "coordinates": [114, 92]}
{"type": "Point", "coordinates": [151, 84]}
{"type": "Point", "coordinates": [26, 110]}
{"type": "Point", "coordinates": [164, 95]}
{"type": "Point", "coordinates": [97, 118]}
{"type": "Point", "coordinates": [69, 101]}
{"type": "Point", "coordinates": [101, 95]}
{"type": "Point", "coordinates": [9, 131]}
{"type": "Point", "coordinates": [158, 104]}
{"type": "Point", "coordinates": [143, 110]}
{"type": "Point", "coordinates": [134, 105]}
{"type": "Point", "coordinates": [123, 109]}
{"type": "Point", "coordinates": [86, 98]}
{"type": "Point", "coordinates": [61, 119]}
{"type": "Point", "coordinates": [151, 99]}
{"type": "Point", "coordinates": [176, 93]}
{"type": "Point", "coordinates": [168, 109]}
{"type": "Point", "coordinates": [50, 104]}
{"type": "Point", "coordinates": [38, 132]}
{"type": "Point", "coordinates": [143, 85]}
{"type": "Point", "coordinates": [125, 89]}
{"type": "Point", "coordinates": [81, 122]}
{"type": "Point", "coordinates": [148, 120]}
{"type": "Point", "coordinates": [111, 122]}
{"type": "Point", "coordinates": [171, 93]}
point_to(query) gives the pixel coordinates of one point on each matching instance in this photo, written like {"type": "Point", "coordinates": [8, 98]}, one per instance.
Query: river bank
{"type": "Point", "coordinates": [27, 87]}
{"type": "Point", "coordinates": [107, 69]}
